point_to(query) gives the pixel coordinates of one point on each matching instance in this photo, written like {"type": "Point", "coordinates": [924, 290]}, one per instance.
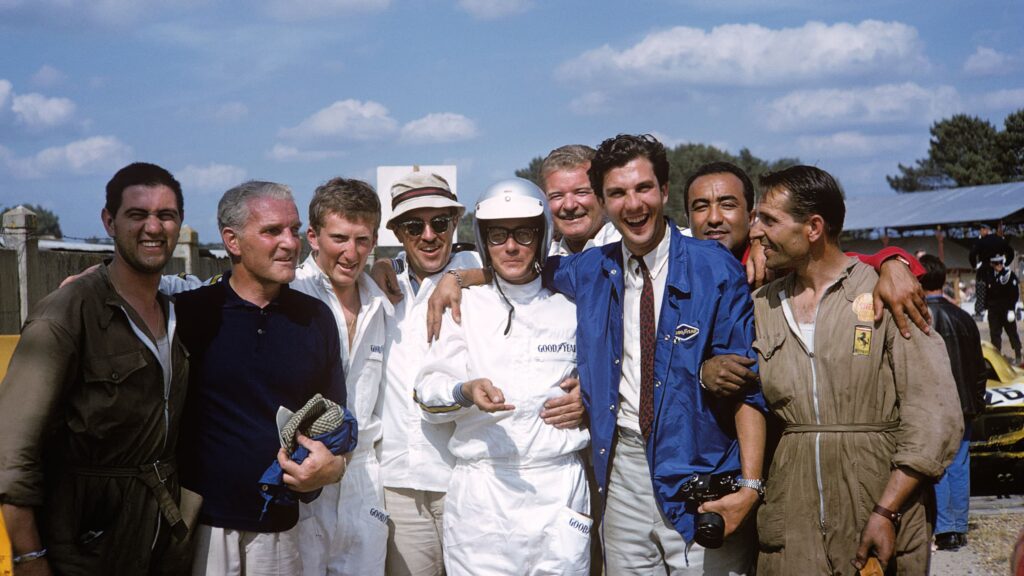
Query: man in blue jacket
{"type": "Point", "coordinates": [653, 426]}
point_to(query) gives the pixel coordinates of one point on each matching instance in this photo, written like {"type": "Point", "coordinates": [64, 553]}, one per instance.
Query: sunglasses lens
{"type": "Point", "coordinates": [440, 224]}
{"type": "Point", "coordinates": [413, 227]}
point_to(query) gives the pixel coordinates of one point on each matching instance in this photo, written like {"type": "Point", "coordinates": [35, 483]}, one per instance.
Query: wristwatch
{"type": "Point", "coordinates": [757, 485]}
{"type": "Point", "coordinates": [889, 515]}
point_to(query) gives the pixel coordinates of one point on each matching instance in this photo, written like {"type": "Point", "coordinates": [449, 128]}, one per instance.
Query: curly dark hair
{"type": "Point", "coordinates": [620, 150]}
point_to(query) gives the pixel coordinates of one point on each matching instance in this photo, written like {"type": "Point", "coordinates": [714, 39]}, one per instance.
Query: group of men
{"type": "Point", "coordinates": [103, 454]}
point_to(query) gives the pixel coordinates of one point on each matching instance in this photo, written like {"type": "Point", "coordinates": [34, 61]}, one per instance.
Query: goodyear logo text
{"type": "Point", "coordinates": [554, 348]}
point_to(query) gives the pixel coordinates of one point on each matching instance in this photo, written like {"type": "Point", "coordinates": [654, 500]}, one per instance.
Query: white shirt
{"type": "Point", "coordinates": [414, 453]}
{"type": "Point", "coordinates": [527, 364]}
{"type": "Point", "coordinates": [606, 235]}
{"type": "Point", "coordinates": [629, 386]}
{"type": "Point", "coordinates": [364, 359]}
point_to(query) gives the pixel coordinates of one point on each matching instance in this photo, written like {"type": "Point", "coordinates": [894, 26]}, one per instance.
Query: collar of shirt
{"type": "Point", "coordinates": [233, 300]}
{"type": "Point", "coordinates": [656, 261]}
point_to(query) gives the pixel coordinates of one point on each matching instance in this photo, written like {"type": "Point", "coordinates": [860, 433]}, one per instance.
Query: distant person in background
{"type": "Point", "coordinates": [963, 344]}
{"type": "Point", "coordinates": [1002, 292]}
{"type": "Point", "coordinates": [985, 248]}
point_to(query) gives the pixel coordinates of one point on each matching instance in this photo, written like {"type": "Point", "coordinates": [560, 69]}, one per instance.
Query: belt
{"type": "Point", "coordinates": [841, 428]}
{"type": "Point", "coordinates": [153, 476]}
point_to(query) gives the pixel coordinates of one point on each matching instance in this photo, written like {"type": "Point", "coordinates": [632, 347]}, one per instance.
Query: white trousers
{"type": "Point", "coordinates": [518, 519]}
{"type": "Point", "coordinates": [345, 530]}
{"type": "Point", "coordinates": [223, 552]}
{"type": "Point", "coordinates": [639, 541]}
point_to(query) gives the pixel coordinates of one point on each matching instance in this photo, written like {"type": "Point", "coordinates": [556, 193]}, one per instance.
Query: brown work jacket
{"type": "Point", "coordinates": [88, 432]}
{"type": "Point", "coordinates": [867, 400]}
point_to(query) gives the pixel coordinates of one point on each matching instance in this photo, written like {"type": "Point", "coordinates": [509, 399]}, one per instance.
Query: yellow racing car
{"type": "Point", "coordinates": [997, 437]}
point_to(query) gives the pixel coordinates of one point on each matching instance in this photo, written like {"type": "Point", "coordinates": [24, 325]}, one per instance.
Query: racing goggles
{"type": "Point", "coordinates": [523, 235]}
{"type": "Point", "coordinates": [415, 226]}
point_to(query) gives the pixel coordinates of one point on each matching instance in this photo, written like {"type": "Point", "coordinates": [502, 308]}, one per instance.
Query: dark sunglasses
{"type": "Point", "coordinates": [524, 235]}
{"type": "Point", "coordinates": [415, 226]}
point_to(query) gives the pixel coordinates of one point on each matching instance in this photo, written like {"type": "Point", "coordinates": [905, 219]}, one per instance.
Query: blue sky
{"type": "Point", "coordinates": [298, 92]}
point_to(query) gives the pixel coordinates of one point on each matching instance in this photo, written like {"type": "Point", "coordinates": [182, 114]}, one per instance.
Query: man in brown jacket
{"type": "Point", "coordinates": [90, 406]}
{"type": "Point", "coordinates": [870, 417]}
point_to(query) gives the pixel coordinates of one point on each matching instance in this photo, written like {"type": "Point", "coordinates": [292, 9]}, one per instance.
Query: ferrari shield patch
{"type": "Point", "coordinates": [861, 340]}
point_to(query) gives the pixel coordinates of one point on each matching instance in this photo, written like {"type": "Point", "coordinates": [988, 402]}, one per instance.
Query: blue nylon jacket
{"type": "Point", "coordinates": [706, 311]}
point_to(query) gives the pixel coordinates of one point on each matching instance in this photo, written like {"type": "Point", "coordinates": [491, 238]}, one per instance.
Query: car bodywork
{"type": "Point", "coordinates": [997, 436]}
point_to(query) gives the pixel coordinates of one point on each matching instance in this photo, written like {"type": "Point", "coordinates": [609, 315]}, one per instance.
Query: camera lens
{"type": "Point", "coordinates": [710, 530]}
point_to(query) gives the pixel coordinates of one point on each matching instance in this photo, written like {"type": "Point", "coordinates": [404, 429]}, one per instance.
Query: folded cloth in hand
{"type": "Point", "coordinates": [321, 420]}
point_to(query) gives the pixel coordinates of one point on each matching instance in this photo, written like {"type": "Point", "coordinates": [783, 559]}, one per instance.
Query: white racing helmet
{"type": "Point", "coordinates": [513, 198]}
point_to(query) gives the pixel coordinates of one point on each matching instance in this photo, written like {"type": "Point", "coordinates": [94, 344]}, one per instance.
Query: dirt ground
{"type": "Point", "coordinates": [994, 525]}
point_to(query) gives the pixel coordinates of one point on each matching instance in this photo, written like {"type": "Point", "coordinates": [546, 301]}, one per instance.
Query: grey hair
{"type": "Point", "coordinates": [233, 208]}
{"type": "Point", "coordinates": [565, 157]}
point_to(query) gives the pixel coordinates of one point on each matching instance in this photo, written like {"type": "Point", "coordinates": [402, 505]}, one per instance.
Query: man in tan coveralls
{"type": "Point", "coordinates": [870, 417]}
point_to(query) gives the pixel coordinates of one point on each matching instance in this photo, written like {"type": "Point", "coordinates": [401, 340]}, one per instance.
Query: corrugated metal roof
{"type": "Point", "coordinates": [926, 209]}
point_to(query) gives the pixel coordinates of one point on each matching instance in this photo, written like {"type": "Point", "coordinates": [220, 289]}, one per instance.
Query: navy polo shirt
{"type": "Point", "coordinates": [245, 362]}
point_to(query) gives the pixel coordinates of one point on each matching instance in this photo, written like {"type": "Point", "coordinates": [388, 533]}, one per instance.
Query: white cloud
{"type": "Point", "coordinates": [854, 144]}
{"type": "Point", "coordinates": [906, 102]}
{"type": "Point", "coordinates": [95, 155]}
{"type": "Point", "coordinates": [590, 104]}
{"type": "Point", "coordinates": [492, 9]}
{"type": "Point", "coordinates": [6, 88]}
{"type": "Point", "coordinates": [210, 178]}
{"type": "Point", "coordinates": [439, 127]}
{"type": "Point", "coordinates": [345, 120]}
{"type": "Point", "coordinates": [985, 61]}
{"type": "Point", "coordinates": [1002, 99]}
{"type": "Point", "coordinates": [284, 153]}
{"type": "Point", "coordinates": [47, 76]}
{"type": "Point", "coordinates": [291, 11]}
{"type": "Point", "coordinates": [38, 111]}
{"type": "Point", "coordinates": [750, 54]}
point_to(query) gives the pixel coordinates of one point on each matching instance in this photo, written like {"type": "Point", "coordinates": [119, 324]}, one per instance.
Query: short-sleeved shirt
{"type": "Point", "coordinates": [248, 361]}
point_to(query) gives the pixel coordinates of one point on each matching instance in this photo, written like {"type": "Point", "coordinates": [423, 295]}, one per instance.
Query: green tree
{"type": "Point", "coordinates": [532, 172]}
{"type": "Point", "coordinates": [1011, 146]}
{"type": "Point", "coordinates": [47, 222]}
{"type": "Point", "coordinates": [966, 151]}
{"type": "Point", "coordinates": [466, 225]}
{"type": "Point", "coordinates": [685, 159]}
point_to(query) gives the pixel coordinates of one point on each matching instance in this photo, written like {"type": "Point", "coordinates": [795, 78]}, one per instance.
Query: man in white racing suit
{"type": "Point", "coordinates": [345, 530]}
{"type": "Point", "coordinates": [518, 500]}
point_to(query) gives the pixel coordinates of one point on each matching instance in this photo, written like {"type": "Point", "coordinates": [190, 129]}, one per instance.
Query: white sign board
{"type": "Point", "coordinates": [388, 175]}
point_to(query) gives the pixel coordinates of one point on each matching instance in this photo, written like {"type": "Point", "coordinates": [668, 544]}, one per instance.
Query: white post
{"type": "Point", "coordinates": [20, 236]}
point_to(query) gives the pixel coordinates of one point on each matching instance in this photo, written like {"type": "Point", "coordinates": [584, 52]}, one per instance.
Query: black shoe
{"type": "Point", "coordinates": [961, 539]}
{"type": "Point", "coordinates": [947, 541]}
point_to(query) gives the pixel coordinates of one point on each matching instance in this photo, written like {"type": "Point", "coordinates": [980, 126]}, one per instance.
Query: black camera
{"type": "Point", "coordinates": [701, 488]}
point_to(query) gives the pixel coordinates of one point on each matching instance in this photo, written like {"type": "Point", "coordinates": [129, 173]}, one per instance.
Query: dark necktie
{"type": "Point", "coordinates": [646, 350]}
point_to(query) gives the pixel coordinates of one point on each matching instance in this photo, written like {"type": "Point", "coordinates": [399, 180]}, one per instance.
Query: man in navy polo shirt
{"type": "Point", "coordinates": [650, 309]}
{"type": "Point", "coordinates": [255, 345]}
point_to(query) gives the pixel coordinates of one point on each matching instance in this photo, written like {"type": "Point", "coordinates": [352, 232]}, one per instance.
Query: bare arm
{"type": "Point", "coordinates": [21, 527]}
{"type": "Point", "coordinates": [750, 431]}
{"type": "Point", "coordinates": [879, 534]}
{"type": "Point", "coordinates": [383, 273]}
{"type": "Point", "coordinates": [448, 294]}
{"type": "Point", "coordinates": [899, 291]}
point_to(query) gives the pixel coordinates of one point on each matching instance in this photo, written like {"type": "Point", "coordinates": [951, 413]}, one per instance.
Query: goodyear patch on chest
{"type": "Point", "coordinates": [686, 332]}
{"type": "Point", "coordinates": [569, 347]}
{"type": "Point", "coordinates": [861, 340]}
